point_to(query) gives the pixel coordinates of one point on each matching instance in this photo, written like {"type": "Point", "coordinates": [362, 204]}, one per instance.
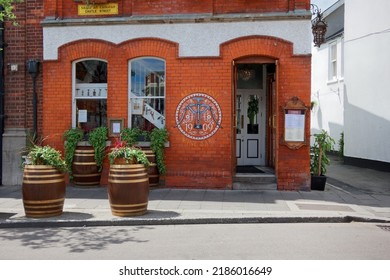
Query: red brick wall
{"type": "Point", "coordinates": [190, 163]}
{"type": "Point", "coordinates": [141, 7]}
{"type": "Point", "coordinates": [23, 42]}
{"type": "Point", "coordinates": [293, 168]}
{"type": "Point", "coordinates": [187, 162]}
{"type": "Point", "coordinates": [197, 164]}
{"type": "Point", "coordinates": [68, 8]}
{"type": "Point", "coordinates": [245, 6]}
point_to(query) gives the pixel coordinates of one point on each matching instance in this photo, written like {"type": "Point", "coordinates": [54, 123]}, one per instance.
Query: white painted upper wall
{"type": "Point", "coordinates": [327, 87]}
{"type": "Point", "coordinates": [194, 39]}
{"type": "Point", "coordinates": [367, 79]}
{"type": "Point", "coordinates": [328, 113]}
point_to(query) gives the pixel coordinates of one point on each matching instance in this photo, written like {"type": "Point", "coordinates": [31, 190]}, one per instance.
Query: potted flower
{"type": "Point", "coordinates": [323, 143]}
{"type": "Point", "coordinates": [122, 153]}
{"type": "Point", "coordinates": [43, 184]}
{"type": "Point", "coordinates": [128, 182]}
{"type": "Point", "coordinates": [153, 148]}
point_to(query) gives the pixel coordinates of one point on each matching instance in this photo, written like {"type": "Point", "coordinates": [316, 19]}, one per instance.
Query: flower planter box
{"type": "Point", "coordinates": [43, 191]}
{"type": "Point", "coordinates": [85, 171]}
{"type": "Point", "coordinates": [128, 189]}
{"type": "Point", "coordinates": [318, 182]}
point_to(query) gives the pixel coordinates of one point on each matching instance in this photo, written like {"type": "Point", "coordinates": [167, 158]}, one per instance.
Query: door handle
{"type": "Point", "coordinates": [242, 121]}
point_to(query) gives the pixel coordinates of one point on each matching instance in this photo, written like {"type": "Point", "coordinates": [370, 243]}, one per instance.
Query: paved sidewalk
{"type": "Point", "coordinates": [352, 194]}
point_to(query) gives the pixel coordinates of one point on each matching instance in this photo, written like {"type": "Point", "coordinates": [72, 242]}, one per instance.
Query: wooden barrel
{"type": "Point", "coordinates": [128, 189]}
{"type": "Point", "coordinates": [84, 168]}
{"type": "Point", "coordinates": [153, 173]}
{"type": "Point", "coordinates": [43, 191]}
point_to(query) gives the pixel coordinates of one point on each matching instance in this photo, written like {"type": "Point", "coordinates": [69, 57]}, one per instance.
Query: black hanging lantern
{"type": "Point", "coordinates": [318, 26]}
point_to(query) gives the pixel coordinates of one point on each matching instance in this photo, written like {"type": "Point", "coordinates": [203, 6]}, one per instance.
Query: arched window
{"type": "Point", "coordinates": [89, 108]}
{"type": "Point", "coordinates": [147, 93]}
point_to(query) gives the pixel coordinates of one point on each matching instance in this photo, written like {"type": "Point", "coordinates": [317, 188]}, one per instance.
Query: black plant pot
{"type": "Point", "coordinates": [318, 182]}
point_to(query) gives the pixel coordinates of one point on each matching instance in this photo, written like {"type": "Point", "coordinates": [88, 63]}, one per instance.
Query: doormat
{"type": "Point", "coordinates": [248, 169]}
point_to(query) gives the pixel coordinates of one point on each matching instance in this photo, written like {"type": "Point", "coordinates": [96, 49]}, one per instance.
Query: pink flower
{"type": "Point", "coordinates": [120, 144]}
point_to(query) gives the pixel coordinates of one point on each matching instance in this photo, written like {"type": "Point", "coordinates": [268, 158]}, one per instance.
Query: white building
{"type": "Point", "coordinates": [351, 81]}
{"type": "Point", "coordinates": [367, 82]}
{"type": "Point", "coordinates": [327, 89]}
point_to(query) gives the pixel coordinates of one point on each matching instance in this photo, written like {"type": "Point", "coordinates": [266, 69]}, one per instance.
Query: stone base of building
{"type": "Point", "coordinates": [368, 163]}
{"type": "Point", "coordinates": [14, 141]}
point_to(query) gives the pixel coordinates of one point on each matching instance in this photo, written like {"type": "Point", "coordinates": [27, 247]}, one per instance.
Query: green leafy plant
{"type": "Point", "coordinates": [313, 104]}
{"type": "Point", "coordinates": [7, 13]}
{"type": "Point", "coordinates": [341, 145]}
{"type": "Point", "coordinates": [129, 154]}
{"type": "Point", "coordinates": [46, 155]}
{"type": "Point", "coordinates": [71, 137]}
{"type": "Point", "coordinates": [97, 138]}
{"type": "Point", "coordinates": [130, 135]}
{"type": "Point", "coordinates": [32, 140]}
{"type": "Point", "coordinates": [323, 143]}
{"type": "Point", "coordinates": [253, 109]}
{"type": "Point", "coordinates": [158, 138]}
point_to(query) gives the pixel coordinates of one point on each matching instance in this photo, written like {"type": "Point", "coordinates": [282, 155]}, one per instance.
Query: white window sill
{"type": "Point", "coordinates": [330, 82]}
{"type": "Point", "coordinates": [147, 144]}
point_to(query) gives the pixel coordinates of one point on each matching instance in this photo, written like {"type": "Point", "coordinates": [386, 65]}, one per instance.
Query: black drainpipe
{"type": "Point", "coordinates": [2, 45]}
{"type": "Point", "coordinates": [33, 70]}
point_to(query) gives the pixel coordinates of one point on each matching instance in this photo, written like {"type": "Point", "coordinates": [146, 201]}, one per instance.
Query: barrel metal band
{"type": "Point", "coordinates": [129, 205]}
{"type": "Point", "coordinates": [84, 163]}
{"type": "Point", "coordinates": [129, 175]}
{"type": "Point", "coordinates": [86, 175]}
{"type": "Point", "coordinates": [27, 181]}
{"type": "Point", "coordinates": [34, 175]}
{"type": "Point", "coordinates": [45, 201]}
{"type": "Point", "coordinates": [128, 181]}
{"type": "Point", "coordinates": [44, 206]}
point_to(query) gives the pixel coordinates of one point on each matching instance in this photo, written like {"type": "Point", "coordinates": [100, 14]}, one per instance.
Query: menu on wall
{"type": "Point", "coordinates": [294, 126]}
{"type": "Point", "coordinates": [116, 127]}
{"type": "Point", "coordinates": [82, 116]}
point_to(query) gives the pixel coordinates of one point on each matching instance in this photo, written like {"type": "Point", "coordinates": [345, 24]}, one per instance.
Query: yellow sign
{"type": "Point", "coordinates": [98, 9]}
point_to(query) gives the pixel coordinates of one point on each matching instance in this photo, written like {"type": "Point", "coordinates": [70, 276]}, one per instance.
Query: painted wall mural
{"type": "Point", "coordinates": [198, 116]}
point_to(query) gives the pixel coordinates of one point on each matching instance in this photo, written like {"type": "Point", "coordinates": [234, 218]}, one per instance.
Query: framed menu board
{"type": "Point", "coordinates": [294, 123]}
{"type": "Point", "coordinates": [115, 126]}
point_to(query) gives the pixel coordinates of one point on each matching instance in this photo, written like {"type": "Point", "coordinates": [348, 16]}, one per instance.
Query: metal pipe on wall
{"type": "Point", "coordinates": [2, 45]}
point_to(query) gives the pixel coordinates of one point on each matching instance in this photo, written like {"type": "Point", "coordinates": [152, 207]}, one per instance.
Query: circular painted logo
{"type": "Point", "coordinates": [198, 116]}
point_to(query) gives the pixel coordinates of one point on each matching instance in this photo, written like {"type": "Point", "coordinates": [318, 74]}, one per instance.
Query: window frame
{"type": "Point", "coordinates": [130, 109]}
{"type": "Point", "coordinates": [332, 62]}
{"type": "Point", "coordinates": [342, 58]}
{"type": "Point", "coordinates": [74, 96]}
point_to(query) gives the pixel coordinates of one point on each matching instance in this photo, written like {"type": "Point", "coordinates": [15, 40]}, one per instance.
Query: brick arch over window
{"type": "Point", "coordinates": [57, 78]}
{"type": "Point", "coordinates": [150, 47]}
{"type": "Point", "coordinates": [85, 48]}
{"type": "Point", "coordinates": [256, 46]}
